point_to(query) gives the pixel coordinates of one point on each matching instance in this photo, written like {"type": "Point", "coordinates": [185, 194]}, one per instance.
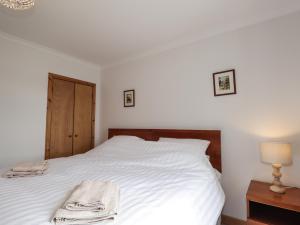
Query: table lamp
{"type": "Point", "coordinates": [277, 154]}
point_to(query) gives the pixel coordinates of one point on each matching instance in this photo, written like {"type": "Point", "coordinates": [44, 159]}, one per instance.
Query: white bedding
{"type": "Point", "coordinates": [161, 184]}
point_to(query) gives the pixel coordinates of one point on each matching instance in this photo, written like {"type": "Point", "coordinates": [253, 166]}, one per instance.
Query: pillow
{"type": "Point", "coordinates": [125, 138]}
{"type": "Point", "coordinates": [121, 138]}
{"type": "Point", "coordinates": [201, 144]}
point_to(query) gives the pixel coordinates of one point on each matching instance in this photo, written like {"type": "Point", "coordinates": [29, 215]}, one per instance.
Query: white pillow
{"type": "Point", "coordinates": [201, 144]}
{"type": "Point", "coordinates": [125, 138]}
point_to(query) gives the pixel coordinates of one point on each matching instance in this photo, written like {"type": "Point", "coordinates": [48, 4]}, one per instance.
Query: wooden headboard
{"type": "Point", "coordinates": [214, 136]}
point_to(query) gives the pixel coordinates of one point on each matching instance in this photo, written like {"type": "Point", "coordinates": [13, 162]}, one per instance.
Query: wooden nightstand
{"type": "Point", "coordinates": [265, 207]}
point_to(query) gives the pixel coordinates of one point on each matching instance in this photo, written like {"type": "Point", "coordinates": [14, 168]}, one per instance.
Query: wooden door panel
{"type": "Point", "coordinates": [61, 139]}
{"type": "Point", "coordinates": [83, 116]}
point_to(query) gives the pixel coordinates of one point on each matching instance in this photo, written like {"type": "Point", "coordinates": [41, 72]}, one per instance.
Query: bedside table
{"type": "Point", "coordinates": [265, 207]}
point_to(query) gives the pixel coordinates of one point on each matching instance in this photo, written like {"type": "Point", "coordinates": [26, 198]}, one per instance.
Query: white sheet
{"type": "Point", "coordinates": [161, 183]}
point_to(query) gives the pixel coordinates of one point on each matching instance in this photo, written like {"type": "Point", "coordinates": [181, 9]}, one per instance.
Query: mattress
{"type": "Point", "coordinates": [161, 183]}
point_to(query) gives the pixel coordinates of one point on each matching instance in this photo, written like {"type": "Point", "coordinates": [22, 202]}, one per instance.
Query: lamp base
{"type": "Point", "coordinates": [277, 186]}
{"type": "Point", "coordinates": [277, 189]}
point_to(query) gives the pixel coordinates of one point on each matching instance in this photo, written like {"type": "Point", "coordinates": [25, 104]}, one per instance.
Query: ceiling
{"type": "Point", "coordinates": [109, 31]}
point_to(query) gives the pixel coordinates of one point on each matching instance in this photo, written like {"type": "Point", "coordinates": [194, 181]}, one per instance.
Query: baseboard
{"type": "Point", "coordinates": [228, 220]}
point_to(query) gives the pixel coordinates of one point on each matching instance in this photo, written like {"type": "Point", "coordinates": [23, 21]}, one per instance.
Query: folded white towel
{"type": "Point", "coordinates": [27, 170]}
{"type": "Point", "coordinates": [29, 167]}
{"type": "Point", "coordinates": [11, 174]}
{"type": "Point", "coordinates": [82, 222]}
{"type": "Point", "coordinates": [67, 217]}
{"type": "Point", "coordinates": [92, 196]}
{"type": "Point", "coordinates": [90, 202]}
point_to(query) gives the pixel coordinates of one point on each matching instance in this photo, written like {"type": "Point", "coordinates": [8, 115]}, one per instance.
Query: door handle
{"type": "Point", "coordinates": [76, 135]}
{"type": "Point", "coordinates": [70, 135]}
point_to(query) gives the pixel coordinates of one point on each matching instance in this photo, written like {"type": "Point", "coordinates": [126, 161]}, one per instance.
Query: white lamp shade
{"type": "Point", "coordinates": [276, 153]}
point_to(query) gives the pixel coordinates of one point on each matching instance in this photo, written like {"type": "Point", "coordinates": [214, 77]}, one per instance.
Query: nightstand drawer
{"type": "Point", "coordinates": [271, 215]}
{"type": "Point", "coordinates": [254, 222]}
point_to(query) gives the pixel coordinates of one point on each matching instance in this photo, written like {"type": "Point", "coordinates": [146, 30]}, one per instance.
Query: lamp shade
{"type": "Point", "coordinates": [276, 153]}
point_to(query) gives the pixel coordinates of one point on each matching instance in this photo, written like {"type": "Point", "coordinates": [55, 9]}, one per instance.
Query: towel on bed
{"type": "Point", "coordinates": [11, 174]}
{"type": "Point", "coordinates": [69, 217]}
{"type": "Point", "coordinates": [90, 202]}
{"type": "Point", "coordinates": [91, 196]}
{"type": "Point", "coordinates": [30, 167]}
{"type": "Point", "coordinates": [27, 170]}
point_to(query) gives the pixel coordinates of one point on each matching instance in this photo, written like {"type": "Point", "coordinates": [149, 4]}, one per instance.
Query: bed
{"type": "Point", "coordinates": [161, 183]}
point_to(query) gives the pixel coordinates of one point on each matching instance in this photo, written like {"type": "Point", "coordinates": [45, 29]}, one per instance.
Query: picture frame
{"type": "Point", "coordinates": [129, 98]}
{"type": "Point", "coordinates": [224, 83]}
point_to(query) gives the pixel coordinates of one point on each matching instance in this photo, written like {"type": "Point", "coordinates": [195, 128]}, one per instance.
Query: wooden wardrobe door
{"type": "Point", "coordinates": [83, 116]}
{"type": "Point", "coordinates": [61, 141]}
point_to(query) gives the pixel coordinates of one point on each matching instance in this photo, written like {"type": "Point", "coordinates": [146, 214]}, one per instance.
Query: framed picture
{"type": "Point", "coordinates": [129, 100]}
{"type": "Point", "coordinates": [224, 83]}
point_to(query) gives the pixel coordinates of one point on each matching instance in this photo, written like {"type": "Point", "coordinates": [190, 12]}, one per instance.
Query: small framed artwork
{"type": "Point", "coordinates": [224, 83]}
{"type": "Point", "coordinates": [129, 100]}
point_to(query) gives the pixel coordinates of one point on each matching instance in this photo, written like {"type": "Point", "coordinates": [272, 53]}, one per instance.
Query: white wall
{"type": "Point", "coordinates": [24, 72]}
{"type": "Point", "coordinates": [174, 90]}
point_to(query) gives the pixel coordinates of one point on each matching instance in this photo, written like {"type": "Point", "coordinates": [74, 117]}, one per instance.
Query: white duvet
{"type": "Point", "coordinates": [161, 184]}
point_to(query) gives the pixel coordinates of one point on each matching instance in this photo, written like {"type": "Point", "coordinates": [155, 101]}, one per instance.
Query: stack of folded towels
{"type": "Point", "coordinates": [90, 202]}
{"type": "Point", "coordinates": [27, 170]}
